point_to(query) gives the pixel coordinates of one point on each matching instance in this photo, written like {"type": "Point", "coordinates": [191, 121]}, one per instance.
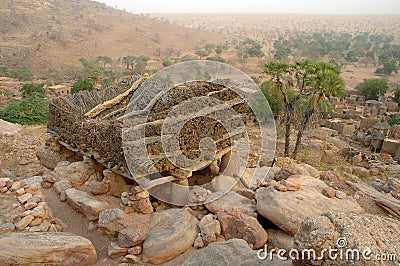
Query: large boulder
{"type": "Point", "coordinates": [173, 232]}
{"type": "Point", "coordinates": [229, 201]}
{"type": "Point", "coordinates": [288, 209]}
{"type": "Point", "coordinates": [46, 248]}
{"type": "Point", "coordinates": [346, 232]}
{"type": "Point", "coordinates": [83, 203]}
{"type": "Point", "coordinates": [233, 252]}
{"type": "Point", "coordinates": [235, 224]}
{"type": "Point", "coordinates": [47, 157]}
{"type": "Point", "coordinates": [111, 221]}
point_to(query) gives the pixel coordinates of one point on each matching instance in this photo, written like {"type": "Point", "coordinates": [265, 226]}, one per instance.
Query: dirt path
{"type": "Point", "coordinates": [77, 224]}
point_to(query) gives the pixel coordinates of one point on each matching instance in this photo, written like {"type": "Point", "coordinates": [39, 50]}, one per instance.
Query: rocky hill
{"type": "Point", "coordinates": [49, 36]}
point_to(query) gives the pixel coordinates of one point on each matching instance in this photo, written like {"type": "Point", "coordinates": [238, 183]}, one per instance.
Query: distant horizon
{"type": "Point", "coordinates": [262, 7]}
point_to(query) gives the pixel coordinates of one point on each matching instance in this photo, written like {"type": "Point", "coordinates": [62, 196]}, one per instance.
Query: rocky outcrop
{"type": "Point", "coordinates": [345, 232]}
{"type": "Point", "coordinates": [288, 209]}
{"type": "Point", "coordinates": [173, 232]}
{"type": "Point", "coordinates": [46, 248]}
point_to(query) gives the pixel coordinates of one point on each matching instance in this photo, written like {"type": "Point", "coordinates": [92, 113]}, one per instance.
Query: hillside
{"type": "Point", "coordinates": [49, 36]}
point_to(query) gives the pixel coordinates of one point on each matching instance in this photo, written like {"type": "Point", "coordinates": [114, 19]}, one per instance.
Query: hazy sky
{"type": "Point", "coordinates": [259, 6]}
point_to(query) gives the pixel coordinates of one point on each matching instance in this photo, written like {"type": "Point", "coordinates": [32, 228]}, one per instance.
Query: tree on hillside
{"type": "Point", "coordinates": [129, 61]}
{"type": "Point", "coordinates": [105, 60]}
{"type": "Point", "coordinates": [82, 85]}
{"type": "Point", "coordinates": [372, 89]}
{"type": "Point", "coordinates": [280, 75]}
{"type": "Point", "coordinates": [323, 81]}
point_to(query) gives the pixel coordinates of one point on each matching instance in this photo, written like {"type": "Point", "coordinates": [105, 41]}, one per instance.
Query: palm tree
{"type": "Point", "coordinates": [280, 75]}
{"type": "Point", "coordinates": [323, 81]}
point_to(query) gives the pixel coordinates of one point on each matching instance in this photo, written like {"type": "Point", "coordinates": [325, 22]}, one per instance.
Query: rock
{"type": "Point", "coordinates": [199, 243]}
{"type": "Point", "coordinates": [135, 250]}
{"type": "Point", "coordinates": [16, 185]}
{"type": "Point", "coordinates": [233, 252]}
{"type": "Point", "coordinates": [77, 173]}
{"type": "Point", "coordinates": [117, 183]}
{"type": "Point", "coordinates": [30, 206]}
{"type": "Point", "coordinates": [47, 157]}
{"type": "Point", "coordinates": [115, 251]}
{"type": "Point", "coordinates": [36, 221]}
{"type": "Point", "coordinates": [62, 185]}
{"type": "Point", "coordinates": [210, 228]}
{"type": "Point", "coordinates": [329, 176]}
{"type": "Point", "coordinates": [288, 209]}
{"type": "Point", "coordinates": [340, 194]}
{"type": "Point", "coordinates": [296, 169]}
{"type": "Point", "coordinates": [348, 231]}
{"type": "Point", "coordinates": [24, 198]}
{"type": "Point", "coordinates": [35, 198]}
{"type": "Point", "coordinates": [44, 227]}
{"type": "Point", "coordinates": [111, 221]}
{"type": "Point", "coordinates": [173, 232]}
{"type": "Point", "coordinates": [140, 201]}
{"type": "Point", "coordinates": [46, 248]}
{"type": "Point", "coordinates": [41, 211]}
{"type": "Point", "coordinates": [248, 193]}
{"type": "Point", "coordinates": [3, 181]}
{"type": "Point", "coordinates": [7, 228]}
{"type": "Point", "coordinates": [235, 224]}
{"type": "Point", "coordinates": [230, 201]}
{"type": "Point", "coordinates": [131, 259]}
{"type": "Point", "coordinates": [198, 194]}
{"type": "Point", "coordinates": [131, 236]}
{"type": "Point", "coordinates": [20, 191]}
{"type": "Point", "coordinates": [83, 203]}
{"type": "Point", "coordinates": [279, 239]}
{"type": "Point", "coordinates": [329, 192]}
{"type": "Point", "coordinates": [98, 188]}
{"type": "Point", "coordinates": [50, 177]}
{"type": "Point", "coordinates": [24, 222]}
{"type": "Point", "coordinates": [46, 185]}
{"type": "Point", "coordinates": [360, 171]}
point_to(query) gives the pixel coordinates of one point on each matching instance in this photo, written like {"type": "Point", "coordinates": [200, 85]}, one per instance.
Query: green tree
{"type": "Point", "coordinates": [387, 69]}
{"type": "Point", "coordinates": [82, 85]}
{"type": "Point", "coordinates": [280, 75]}
{"type": "Point", "coordinates": [372, 89]}
{"type": "Point", "coordinates": [322, 81]}
{"type": "Point", "coordinates": [105, 60]}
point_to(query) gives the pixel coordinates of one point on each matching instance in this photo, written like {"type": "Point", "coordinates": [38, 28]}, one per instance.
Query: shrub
{"type": "Point", "coordinates": [82, 85]}
{"type": "Point", "coordinates": [372, 89]}
{"type": "Point", "coordinates": [32, 109]}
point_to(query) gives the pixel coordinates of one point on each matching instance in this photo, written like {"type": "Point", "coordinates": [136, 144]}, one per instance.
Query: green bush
{"type": "Point", "coordinates": [32, 90]}
{"type": "Point", "coordinates": [32, 109]}
{"type": "Point", "coordinates": [82, 85]}
{"type": "Point", "coordinates": [372, 89]}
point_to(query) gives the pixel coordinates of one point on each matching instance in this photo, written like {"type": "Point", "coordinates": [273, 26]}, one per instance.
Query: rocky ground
{"type": "Point", "coordinates": [336, 189]}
